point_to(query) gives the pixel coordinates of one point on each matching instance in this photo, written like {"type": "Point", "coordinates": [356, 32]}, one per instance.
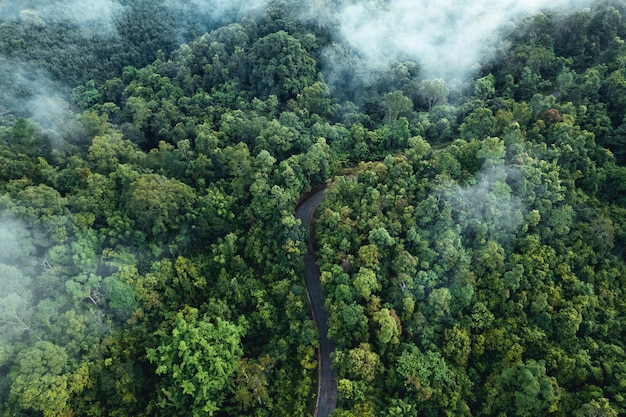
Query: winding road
{"type": "Point", "coordinates": [327, 384]}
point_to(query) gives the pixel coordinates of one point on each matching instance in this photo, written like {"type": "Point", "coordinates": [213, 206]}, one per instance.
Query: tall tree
{"type": "Point", "coordinates": [281, 65]}
{"type": "Point", "coordinates": [196, 357]}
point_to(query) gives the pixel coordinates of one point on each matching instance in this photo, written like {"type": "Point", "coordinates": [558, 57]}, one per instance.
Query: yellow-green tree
{"type": "Point", "coordinates": [196, 358]}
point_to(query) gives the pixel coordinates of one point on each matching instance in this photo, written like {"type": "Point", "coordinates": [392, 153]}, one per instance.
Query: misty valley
{"type": "Point", "coordinates": [214, 207]}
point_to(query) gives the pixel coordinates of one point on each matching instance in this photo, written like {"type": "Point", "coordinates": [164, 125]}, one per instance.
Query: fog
{"type": "Point", "coordinates": [17, 256]}
{"type": "Point", "coordinates": [449, 39]}
{"type": "Point", "coordinates": [216, 8]}
{"type": "Point", "coordinates": [31, 92]}
{"type": "Point", "coordinates": [94, 17]}
{"type": "Point", "coordinates": [16, 246]}
{"type": "Point", "coordinates": [488, 209]}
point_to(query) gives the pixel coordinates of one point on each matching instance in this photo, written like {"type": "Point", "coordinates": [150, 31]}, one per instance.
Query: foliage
{"type": "Point", "coordinates": [471, 241]}
{"type": "Point", "coordinates": [197, 358]}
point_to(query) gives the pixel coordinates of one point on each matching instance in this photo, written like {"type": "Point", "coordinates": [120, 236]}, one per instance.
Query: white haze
{"type": "Point", "coordinates": [15, 243]}
{"type": "Point", "coordinates": [95, 17]}
{"type": "Point", "coordinates": [216, 8]}
{"type": "Point", "coordinates": [488, 206]}
{"type": "Point", "coordinates": [447, 38]}
{"type": "Point", "coordinates": [201, 16]}
{"type": "Point", "coordinates": [30, 92]}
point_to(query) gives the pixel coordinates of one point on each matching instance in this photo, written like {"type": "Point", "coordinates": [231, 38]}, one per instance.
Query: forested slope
{"type": "Point", "coordinates": [487, 277]}
{"type": "Point", "coordinates": [150, 260]}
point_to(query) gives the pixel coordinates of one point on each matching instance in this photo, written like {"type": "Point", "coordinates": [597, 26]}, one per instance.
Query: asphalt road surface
{"type": "Point", "coordinates": [327, 384]}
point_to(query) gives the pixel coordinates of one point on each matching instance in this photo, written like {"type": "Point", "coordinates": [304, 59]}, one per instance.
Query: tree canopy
{"type": "Point", "coordinates": [470, 242]}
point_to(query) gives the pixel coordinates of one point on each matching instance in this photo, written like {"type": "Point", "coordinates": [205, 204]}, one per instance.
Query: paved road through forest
{"type": "Point", "coordinates": [327, 385]}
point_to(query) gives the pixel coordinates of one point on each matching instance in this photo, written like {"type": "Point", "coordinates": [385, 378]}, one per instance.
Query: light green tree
{"type": "Point", "coordinates": [196, 359]}
{"type": "Point", "coordinates": [159, 204]}
{"type": "Point", "coordinates": [389, 330]}
{"type": "Point", "coordinates": [39, 381]}
{"type": "Point", "coordinates": [365, 282]}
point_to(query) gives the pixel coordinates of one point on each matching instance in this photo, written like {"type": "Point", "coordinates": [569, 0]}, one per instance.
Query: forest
{"type": "Point", "coordinates": [471, 241]}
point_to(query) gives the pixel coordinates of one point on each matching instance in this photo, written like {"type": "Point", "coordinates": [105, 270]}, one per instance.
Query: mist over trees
{"type": "Point", "coordinates": [471, 241]}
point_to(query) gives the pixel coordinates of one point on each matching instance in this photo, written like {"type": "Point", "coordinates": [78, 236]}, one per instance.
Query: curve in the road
{"type": "Point", "coordinates": [327, 383]}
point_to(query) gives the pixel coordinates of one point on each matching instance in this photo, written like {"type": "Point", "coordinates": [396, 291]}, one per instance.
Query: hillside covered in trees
{"type": "Point", "coordinates": [471, 242]}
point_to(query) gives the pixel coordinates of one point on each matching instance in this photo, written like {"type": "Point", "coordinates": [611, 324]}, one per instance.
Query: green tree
{"type": "Point", "coordinates": [281, 65]}
{"type": "Point", "coordinates": [158, 204]}
{"type": "Point", "coordinates": [316, 99]}
{"type": "Point", "coordinates": [276, 139]}
{"type": "Point", "coordinates": [593, 408]}
{"type": "Point", "coordinates": [426, 374]}
{"type": "Point", "coordinates": [196, 359]}
{"type": "Point", "coordinates": [457, 345]}
{"type": "Point", "coordinates": [478, 125]}
{"type": "Point", "coordinates": [389, 330]}
{"type": "Point", "coordinates": [16, 315]}
{"type": "Point", "coordinates": [251, 385]}
{"type": "Point", "coordinates": [525, 390]}
{"type": "Point", "coordinates": [347, 324]}
{"type": "Point", "coordinates": [359, 363]}
{"type": "Point", "coordinates": [39, 381]}
{"type": "Point", "coordinates": [108, 151]}
{"type": "Point", "coordinates": [396, 103]}
{"type": "Point", "coordinates": [485, 87]}
{"type": "Point", "coordinates": [365, 282]}
{"type": "Point", "coordinates": [434, 92]}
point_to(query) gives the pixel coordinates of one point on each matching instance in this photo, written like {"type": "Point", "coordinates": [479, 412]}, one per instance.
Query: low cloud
{"type": "Point", "coordinates": [488, 209]}
{"type": "Point", "coordinates": [16, 247]}
{"type": "Point", "coordinates": [29, 91]}
{"type": "Point", "coordinates": [217, 8]}
{"type": "Point", "coordinates": [206, 15]}
{"type": "Point", "coordinates": [449, 39]}
{"type": "Point", "coordinates": [96, 17]}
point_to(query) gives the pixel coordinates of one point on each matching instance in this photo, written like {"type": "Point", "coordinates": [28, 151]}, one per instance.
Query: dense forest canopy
{"type": "Point", "coordinates": [471, 242]}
